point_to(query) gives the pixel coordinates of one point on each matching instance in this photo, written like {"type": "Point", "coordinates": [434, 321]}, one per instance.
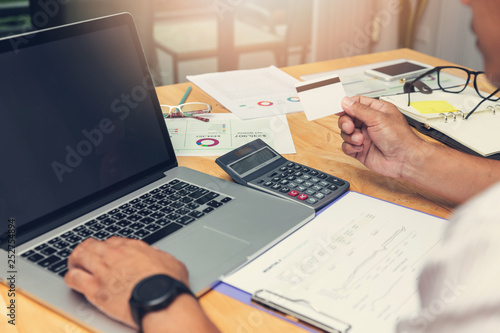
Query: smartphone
{"type": "Point", "coordinates": [401, 69]}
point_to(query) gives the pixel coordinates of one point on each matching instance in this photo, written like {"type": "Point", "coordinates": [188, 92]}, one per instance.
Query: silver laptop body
{"type": "Point", "coordinates": [82, 138]}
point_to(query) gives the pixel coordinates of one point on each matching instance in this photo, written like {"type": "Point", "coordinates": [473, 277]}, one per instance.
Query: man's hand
{"type": "Point", "coordinates": [106, 272]}
{"type": "Point", "coordinates": [377, 134]}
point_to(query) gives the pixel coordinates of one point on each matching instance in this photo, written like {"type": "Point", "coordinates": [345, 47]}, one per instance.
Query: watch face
{"type": "Point", "coordinates": [153, 287]}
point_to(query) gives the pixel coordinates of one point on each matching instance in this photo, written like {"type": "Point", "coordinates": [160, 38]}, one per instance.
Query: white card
{"type": "Point", "coordinates": [321, 97]}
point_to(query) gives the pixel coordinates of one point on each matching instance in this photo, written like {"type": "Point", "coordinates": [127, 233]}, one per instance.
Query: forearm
{"type": "Point", "coordinates": [183, 315]}
{"type": "Point", "coordinates": [452, 174]}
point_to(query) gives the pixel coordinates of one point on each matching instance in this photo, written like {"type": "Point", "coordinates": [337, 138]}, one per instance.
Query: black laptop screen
{"type": "Point", "coordinates": [78, 117]}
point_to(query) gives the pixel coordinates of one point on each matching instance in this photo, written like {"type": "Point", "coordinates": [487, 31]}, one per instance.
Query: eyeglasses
{"type": "Point", "coordinates": [186, 109]}
{"type": "Point", "coordinates": [451, 86]}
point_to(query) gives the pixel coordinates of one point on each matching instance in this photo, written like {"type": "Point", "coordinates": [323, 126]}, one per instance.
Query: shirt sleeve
{"type": "Point", "coordinates": [459, 287]}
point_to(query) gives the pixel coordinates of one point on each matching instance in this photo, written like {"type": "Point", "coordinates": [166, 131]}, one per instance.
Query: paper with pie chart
{"type": "Point", "coordinates": [225, 132]}
{"type": "Point", "coordinates": [252, 93]}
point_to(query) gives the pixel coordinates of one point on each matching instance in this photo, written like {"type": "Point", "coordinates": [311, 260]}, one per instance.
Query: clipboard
{"type": "Point", "coordinates": [367, 266]}
{"type": "Point", "coordinates": [273, 301]}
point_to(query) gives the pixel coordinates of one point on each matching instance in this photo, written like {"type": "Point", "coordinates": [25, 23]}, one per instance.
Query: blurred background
{"type": "Point", "coordinates": [185, 37]}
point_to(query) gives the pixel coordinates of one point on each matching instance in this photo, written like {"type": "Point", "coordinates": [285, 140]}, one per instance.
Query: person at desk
{"type": "Point", "coordinates": [459, 287]}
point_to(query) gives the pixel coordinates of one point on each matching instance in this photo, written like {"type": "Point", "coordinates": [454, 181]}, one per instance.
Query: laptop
{"type": "Point", "coordinates": [86, 153]}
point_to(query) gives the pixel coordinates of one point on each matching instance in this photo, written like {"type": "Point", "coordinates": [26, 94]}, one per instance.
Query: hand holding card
{"type": "Point", "coordinates": [321, 97]}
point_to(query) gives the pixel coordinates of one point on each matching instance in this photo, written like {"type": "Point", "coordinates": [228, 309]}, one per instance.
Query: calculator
{"type": "Point", "coordinates": [258, 166]}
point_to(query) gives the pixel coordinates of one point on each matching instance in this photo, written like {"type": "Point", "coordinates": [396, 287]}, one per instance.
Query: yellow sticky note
{"type": "Point", "coordinates": [427, 107]}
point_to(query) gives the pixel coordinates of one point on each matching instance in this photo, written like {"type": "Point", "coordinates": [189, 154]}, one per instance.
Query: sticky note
{"type": "Point", "coordinates": [428, 107]}
{"type": "Point", "coordinates": [321, 97]}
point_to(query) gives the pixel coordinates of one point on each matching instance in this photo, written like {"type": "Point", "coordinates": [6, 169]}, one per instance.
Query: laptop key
{"type": "Point", "coordinates": [97, 227]}
{"type": "Point", "coordinates": [61, 265]}
{"type": "Point", "coordinates": [113, 229]}
{"type": "Point", "coordinates": [136, 226]}
{"type": "Point", "coordinates": [185, 220]}
{"type": "Point", "coordinates": [27, 253]}
{"type": "Point", "coordinates": [141, 233]}
{"type": "Point", "coordinates": [196, 213]}
{"type": "Point", "coordinates": [74, 239]}
{"type": "Point", "coordinates": [152, 227]}
{"type": "Point", "coordinates": [35, 257]}
{"type": "Point", "coordinates": [125, 232]}
{"type": "Point", "coordinates": [54, 240]}
{"type": "Point", "coordinates": [64, 253]}
{"type": "Point", "coordinates": [85, 233]}
{"type": "Point", "coordinates": [214, 204]}
{"type": "Point", "coordinates": [206, 198]}
{"type": "Point", "coordinates": [163, 232]}
{"type": "Point", "coordinates": [101, 235]}
{"type": "Point", "coordinates": [49, 261]}
{"type": "Point", "coordinates": [48, 251]}
{"type": "Point", "coordinates": [180, 185]}
{"type": "Point", "coordinates": [61, 245]}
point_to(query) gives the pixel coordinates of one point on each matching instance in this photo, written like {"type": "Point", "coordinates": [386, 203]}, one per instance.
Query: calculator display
{"type": "Point", "coordinates": [250, 162]}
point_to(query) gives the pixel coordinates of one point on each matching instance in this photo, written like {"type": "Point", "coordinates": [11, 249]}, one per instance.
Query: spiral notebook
{"type": "Point", "coordinates": [442, 115]}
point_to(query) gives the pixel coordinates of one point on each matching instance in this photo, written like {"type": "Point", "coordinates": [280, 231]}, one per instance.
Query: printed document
{"type": "Point", "coordinates": [356, 263]}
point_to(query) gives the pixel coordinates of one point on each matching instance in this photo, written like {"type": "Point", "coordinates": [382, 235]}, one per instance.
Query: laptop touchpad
{"type": "Point", "coordinates": [211, 251]}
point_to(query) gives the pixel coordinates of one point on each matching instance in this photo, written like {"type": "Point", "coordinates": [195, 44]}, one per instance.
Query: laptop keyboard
{"type": "Point", "coordinates": [150, 217]}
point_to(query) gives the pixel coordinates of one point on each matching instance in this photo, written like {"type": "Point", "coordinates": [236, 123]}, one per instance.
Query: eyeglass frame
{"type": "Point", "coordinates": [183, 114]}
{"type": "Point", "coordinates": [409, 87]}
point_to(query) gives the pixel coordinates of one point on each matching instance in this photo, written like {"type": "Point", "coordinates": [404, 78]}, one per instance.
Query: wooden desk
{"type": "Point", "coordinates": [318, 145]}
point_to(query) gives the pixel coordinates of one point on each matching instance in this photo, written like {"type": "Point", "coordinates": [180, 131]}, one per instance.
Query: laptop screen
{"type": "Point", "coordinates": [79, 118]}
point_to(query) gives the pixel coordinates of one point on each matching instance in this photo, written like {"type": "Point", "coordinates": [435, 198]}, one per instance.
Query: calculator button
{"type": "Point", "coordinates": [332, 187]}
{"type": "Point", "coordinates": [305, 169]}
{"type": "Point", "coordinates": [290, 178]}
{"type": "Point", "coordinates": [283, 168]}
{"type": "Point", "coordinates": [308, 184]}
{"type": "Point", "coordinates": [326, 192]}
{"type": "Point", "coordinates": [306, 177]}
{"type": "Point", "coordinates": [292, 185]}
{"type": "Point", "coordinates": [284, 182]}
{"type": "Point", "coordinates": [311, 201]}
{"type": "Point", "coordinates": [285, 189]}
{"type": "Point", "coordinates": [314, 180]}
{"type": "Point", "coordinates": [298, 174]}
{"type": "Point", "coordinates": [335, 181]}
{"type": "Point", "coordinates": [276, 186]}
{"type": "Point", "coordinates": [299, 180]}
{"type": "Point", "coordinates": [267, 184]}
{"type": "Point", "coordinates": [301, 188]}
{"type": "Point", "coordinates": [293, 193]}
{"type": "Point", "coordinates": [314, 173]}
{"type": "Point", "coordinates": [319, 196]}
{"type": "Point", "coordinates": [316, 188]}
{"type": "Point", "coordinates": [322, 176]}
{"type": "Point", "coordinates": [323, 183]}
{"type": "Point", "coordinates": [290, 164]}
{"type": "Point", "coordinates": [310, 192]}
{"type": "Point", "coordinates": [302, 196]}
{"type": "Point", "coordinates": [273, 175]}
{"type": "Point", "coordinates": [276, 179]}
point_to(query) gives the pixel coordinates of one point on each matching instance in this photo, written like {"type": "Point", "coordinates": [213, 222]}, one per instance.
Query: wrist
{"type": "Point", "coordinates": [416, 158]}
{"type": "Point", "coordinates": [183, 315]}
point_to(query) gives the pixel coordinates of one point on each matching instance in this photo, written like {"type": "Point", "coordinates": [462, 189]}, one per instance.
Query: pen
{"type": "Point", "coordinates": [186, 94]}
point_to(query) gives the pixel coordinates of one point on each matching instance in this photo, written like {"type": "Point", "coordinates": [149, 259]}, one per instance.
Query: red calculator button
{"type": "Point", "coordinates": [293, 193]}
{"type": "Point", "coordinates": [302, 196]}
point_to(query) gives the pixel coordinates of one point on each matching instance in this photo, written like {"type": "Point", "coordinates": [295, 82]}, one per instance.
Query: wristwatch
{"type": "Point", "coordinates": [154, 293]}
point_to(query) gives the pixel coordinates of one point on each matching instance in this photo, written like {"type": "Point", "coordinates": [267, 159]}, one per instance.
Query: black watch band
{"type": "Point", "coordinates": [154, 293]}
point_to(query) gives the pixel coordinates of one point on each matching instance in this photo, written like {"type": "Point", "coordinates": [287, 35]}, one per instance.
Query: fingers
{"type": "Point", "coordinates": [88, 256]}
{"type": "Point", "coordinates": [81, 281]}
